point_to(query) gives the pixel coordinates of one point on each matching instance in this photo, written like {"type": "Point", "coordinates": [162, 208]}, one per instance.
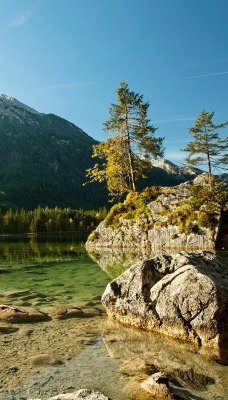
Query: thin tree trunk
{"type": "Point", "coordinates": [132, 172]}
{"type": "Point", "coordinates": [131, 163]}
{"type": "Point", "coordinates": [209, 170]}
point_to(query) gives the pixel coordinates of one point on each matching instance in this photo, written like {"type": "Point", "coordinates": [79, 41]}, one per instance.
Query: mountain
{"type": "Point", "coordinates": [165, 173]}
{"type": "Point", "coordinates": [177, 173]}
{"type": "Point", "coordinates": [174, 174]}
{"type": "Point", "coordinates": [43, 159]}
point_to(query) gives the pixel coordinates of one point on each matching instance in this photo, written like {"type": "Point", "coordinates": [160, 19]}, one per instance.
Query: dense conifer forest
{"type": "Point", "coordinates": [50, 221]}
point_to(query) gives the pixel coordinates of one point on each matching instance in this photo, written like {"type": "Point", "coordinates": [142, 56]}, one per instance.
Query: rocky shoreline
{"type": "Point", "coordinates": [41, 360]}
{"type": "Point", "coordinates": [109, 358]}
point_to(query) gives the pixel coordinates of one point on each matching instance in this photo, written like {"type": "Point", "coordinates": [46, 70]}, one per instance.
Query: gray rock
{"type": "Point", "coordinates": [137, 366]}
{"type": "Point", "coordinates": [7, 329]}
{"type": "Point", "coordinates": [43, 359]}
{"type": "Point", "coordinates": [184, 295]}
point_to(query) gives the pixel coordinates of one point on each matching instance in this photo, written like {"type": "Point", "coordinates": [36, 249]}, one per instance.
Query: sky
{"type": "Point", "coordinates": [68, 57]}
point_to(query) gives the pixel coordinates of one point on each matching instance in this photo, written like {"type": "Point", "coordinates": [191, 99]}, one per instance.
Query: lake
{"type": "Point", "coordinates": [87, 352]}
{"type": "Point", "coordinates": [41, 273]}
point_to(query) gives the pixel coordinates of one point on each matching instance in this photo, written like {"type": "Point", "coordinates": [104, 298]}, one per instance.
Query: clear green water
{"type": "Point", "coordinates": [40, 273]}
{"type": "Point", "coordinates": [35, 273]}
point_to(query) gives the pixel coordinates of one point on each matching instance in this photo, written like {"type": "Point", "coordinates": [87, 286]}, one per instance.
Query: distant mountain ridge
{"type": "Point", "coordinates": [180, 172]}
{"type": "Point", "coordinates": [43, 161]}
{"type": "Point", "coordinates": [175, 169]}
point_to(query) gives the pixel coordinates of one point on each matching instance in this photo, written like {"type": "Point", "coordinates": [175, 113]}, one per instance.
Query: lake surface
{"type": "Point", "coordinates": [37, 273]}
{"type": "Point", "coordinates": [52, 272]}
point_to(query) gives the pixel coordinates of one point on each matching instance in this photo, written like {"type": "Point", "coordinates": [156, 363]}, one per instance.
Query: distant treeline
{"type": "Point", "coordinates": [48, 220]}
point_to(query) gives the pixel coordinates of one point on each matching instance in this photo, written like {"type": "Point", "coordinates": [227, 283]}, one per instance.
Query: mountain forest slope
{"type": "Point", "coordinates": [43, 159]}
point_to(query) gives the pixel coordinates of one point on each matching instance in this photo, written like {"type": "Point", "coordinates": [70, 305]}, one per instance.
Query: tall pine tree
{"type": "Point", "coordinates": [127, 154]}
{"type": "Point", "coordinates": [207, 148]}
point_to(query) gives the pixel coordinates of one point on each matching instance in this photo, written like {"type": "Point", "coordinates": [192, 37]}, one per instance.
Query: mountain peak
{"type": "Point", "coordinates": [16, 111]}
{"type": "Point", "coordinates": [9, 102]}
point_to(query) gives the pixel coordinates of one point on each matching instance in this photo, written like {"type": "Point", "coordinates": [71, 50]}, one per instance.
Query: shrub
{"type": "Point", "coordinates": [94, 236]}
{"type": "Point", "coordinates": [134, 205]}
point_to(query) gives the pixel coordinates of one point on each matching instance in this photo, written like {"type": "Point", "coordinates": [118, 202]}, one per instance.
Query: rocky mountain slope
{"type": "Point", "coordinates": [179, 173]}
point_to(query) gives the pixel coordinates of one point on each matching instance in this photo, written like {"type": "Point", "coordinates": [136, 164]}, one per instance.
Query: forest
{"type": "Point", "coordinates": [50, 220]}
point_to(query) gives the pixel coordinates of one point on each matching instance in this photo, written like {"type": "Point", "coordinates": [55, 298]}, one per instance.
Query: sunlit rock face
{"type": "Point", "coordinates": [183, 295]}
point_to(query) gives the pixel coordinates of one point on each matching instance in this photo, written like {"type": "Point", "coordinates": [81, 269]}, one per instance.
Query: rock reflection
{"type": "Point", "coordinates": [114, 261]}
{"type": "Point", "coordinates": [191, 374]}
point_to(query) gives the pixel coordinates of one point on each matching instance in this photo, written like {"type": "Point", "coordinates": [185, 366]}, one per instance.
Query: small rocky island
{"type": "Point", "coordinates": [182, 294]}
{"type": "Point", "coordinates": [164, 218]}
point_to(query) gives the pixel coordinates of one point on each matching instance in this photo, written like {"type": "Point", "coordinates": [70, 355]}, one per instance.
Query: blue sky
{"type": "Point", "coordinates": [68, 57]}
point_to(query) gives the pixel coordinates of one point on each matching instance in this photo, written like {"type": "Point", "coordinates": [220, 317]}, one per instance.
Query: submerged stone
{"type": "Point", "coordinates": [15, 314]}
{"type": "Point", "coordinates": [71, 311]}
{"type": "Point", "coordinates": [85, 394]}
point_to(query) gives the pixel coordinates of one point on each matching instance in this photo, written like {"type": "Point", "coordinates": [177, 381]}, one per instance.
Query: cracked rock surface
{"type": "Point", "coordinates": [183, 295]}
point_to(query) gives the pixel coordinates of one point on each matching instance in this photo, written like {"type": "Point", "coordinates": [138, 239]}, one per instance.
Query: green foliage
{"type": "Point", "coordinates": [94, 236]}
{"type": "Point", "coordinates": [134, 205]}
{"type": "Point", "coordinates": [201, 209]}
{"type": "Point", "coordinates": [209, 201]}
{"type": "Point", "coordinates": [209, 198]}
{"type": "Point", "coordinates": [126, 155]}
{"type": "Point", "coordinates": [182, 216]}
{"type": "Point", "coordinates": [113, 218]}
{"type": "Point", "coordinates": [207, 220]}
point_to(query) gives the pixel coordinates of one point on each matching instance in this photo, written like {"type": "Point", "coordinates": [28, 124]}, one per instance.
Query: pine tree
{"type": "Point", "coordinates": [126, 155]}
{"type": "Point", "coordinates": [207, 148]}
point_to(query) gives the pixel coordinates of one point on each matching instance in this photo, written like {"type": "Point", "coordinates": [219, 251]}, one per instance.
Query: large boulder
{"type": "Point", "coordinates": [183, 295]}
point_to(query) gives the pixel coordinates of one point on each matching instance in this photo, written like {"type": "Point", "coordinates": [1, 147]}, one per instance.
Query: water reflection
{"type": "Point", "coordinates": [39, 251]}
{"type": "Point", "coordinates": [114, 261]}
{"type": "Point", "coordinates": [189, 371]}
{"type": "Point", "coordinates": [34, 273]}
